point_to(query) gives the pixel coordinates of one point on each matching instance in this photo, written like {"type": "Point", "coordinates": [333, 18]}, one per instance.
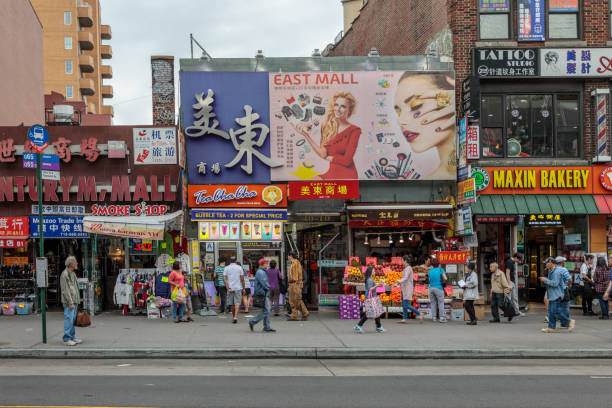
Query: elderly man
{"type": "Point", "coordinates": [556, 284]}
{"type": "Point", "coordinates": [70, 300]}
{"type": "Point", "coordinates": [262, 294]}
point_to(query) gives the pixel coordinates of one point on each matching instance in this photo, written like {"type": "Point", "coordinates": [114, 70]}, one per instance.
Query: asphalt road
{"type": "Point", "coordinates": [294, 383]}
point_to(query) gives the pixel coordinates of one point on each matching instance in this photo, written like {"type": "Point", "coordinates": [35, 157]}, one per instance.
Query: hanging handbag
{"type": "Point", "coordinates": [373, 307]}
{"type": "Point", "coordinates": [82, 319]}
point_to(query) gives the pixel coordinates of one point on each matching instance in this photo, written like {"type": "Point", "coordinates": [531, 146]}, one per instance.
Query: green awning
{"type": "Point", "coordinates": [534, 204]}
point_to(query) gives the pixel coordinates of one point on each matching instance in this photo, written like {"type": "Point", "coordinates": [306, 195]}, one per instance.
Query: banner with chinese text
{"type": "Point", "coordinates": [316, 190]}
{"type": "Point", "coordinates": [14, 227]}
{"type": "Point", "coordinates": [531, 20]}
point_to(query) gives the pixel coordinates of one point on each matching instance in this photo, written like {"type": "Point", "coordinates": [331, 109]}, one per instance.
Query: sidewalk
{"type": "Point", "coordinates": [323, 335]}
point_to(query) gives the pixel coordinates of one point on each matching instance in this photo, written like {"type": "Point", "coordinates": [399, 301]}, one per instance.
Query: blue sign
{"type": "Point", "coordinates": [39, 136]}
{"type": "Point", "coordinates": [531, 20]}
{"type": "Point", "coordinates": [467, 221]}
{"type": "Point", "coordinates": [331, 263]}
{"type": "Point", "coordinates": [29, 160]}
{"type": "Point", "coordinates": [217, 151]}
{"type": "Point", "coordinates": [50, 162]}
{"type": "Point", "coordinates": [59, 227]}
{"type": "Point", "coordinates": [238, 215]}
{"type": "Point", "coordinates": [463, 173]}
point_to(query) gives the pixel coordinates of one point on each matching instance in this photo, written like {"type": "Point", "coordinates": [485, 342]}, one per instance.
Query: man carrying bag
{"type": "Point", "coordinates": [262, 297]}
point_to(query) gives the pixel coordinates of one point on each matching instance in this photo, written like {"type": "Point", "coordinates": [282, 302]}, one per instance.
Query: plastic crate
{"type": "Point", "coordinates": [8, 308]}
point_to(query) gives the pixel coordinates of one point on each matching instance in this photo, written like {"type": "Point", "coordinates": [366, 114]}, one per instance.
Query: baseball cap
{"type": "Point", "coordinates": [263, 261]}
{"type": "Point", "coordinates": [549, 259]}
{"type": "Point", "coordinates": [560, 259]}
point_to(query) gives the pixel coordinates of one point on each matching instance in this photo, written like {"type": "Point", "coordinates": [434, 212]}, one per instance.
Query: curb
{"type": "Point", "coordinates": [307, 353]}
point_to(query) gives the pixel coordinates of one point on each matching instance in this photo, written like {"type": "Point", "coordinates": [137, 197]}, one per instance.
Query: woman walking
{"type": "Point", "coordinates": [370, 285]}
{"type": "Point", "coordinates": [407, 285]}
{"type": "Point", "coordinates": [470, 293]}
{"type": "Point", "coordinates": [274, 279]}
{"type": "Point", "coordinates": [177, 282]}
{"type": "Point", "coordinates": [602, 279]}
{"type": "Point", "coordinates": [437, 275]}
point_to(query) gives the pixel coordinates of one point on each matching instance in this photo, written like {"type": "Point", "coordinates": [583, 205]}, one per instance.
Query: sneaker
{"type": "Point", "coordinates": [443, 320]}
{"type": "Point", "coordinates": [380, 330]}
{"type": "Point", "coordinates": [548, 330]}
{"type": "Point", "coordinates": [269, 330]}
{"type": "Point", "coordinates": [571, 326]}
{"type": "Point", "coordinates": [77, 341]}
{"type": "Point", "coordinates": [69, 343]}
{"type": "Point", "coordinates": [494, 321]}
{"type": "Point", "coordinates": [522, 314]}
{"type": "Point", "coordinates": [250, 325]}
{"type": "Point", "coordinates": [358, 329]}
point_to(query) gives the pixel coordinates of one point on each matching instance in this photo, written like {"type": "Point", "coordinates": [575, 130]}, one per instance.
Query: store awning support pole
{"type": "Point", "coordinates": [43, 301]}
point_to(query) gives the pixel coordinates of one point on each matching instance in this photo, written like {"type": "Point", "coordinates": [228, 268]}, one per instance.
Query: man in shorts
{"type": "Point", "coordinates": [233, 278]}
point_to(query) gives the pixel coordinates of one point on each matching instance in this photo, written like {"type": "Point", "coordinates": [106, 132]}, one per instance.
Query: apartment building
{"type": "Point", "coordinates": [73, 52]}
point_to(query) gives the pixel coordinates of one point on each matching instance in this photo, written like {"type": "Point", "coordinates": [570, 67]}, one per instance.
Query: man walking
{"type": "Point", "coordinates": [70, 300]}
{"type": "Point", "coordinates": [262, 292]}
{"type": "Point", "coordinates": [511, 276]}
{"type": "Point", "coordinates": [499, 289]}
{"type": "Point", "coordinates": [555, 291]}
{"type": "Point", "coordinates": [220, 284]}
{"type": "Point", "coordinates": [296, 283]}
{"type": "Point", "coordinates": [233, 279]}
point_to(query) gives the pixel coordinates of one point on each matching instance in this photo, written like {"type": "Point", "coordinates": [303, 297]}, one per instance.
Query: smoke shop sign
{"type": "Point", "coordinates": [539, 180]}
{"type": "Point", "coordinates": [125, 210]}
{"type": "Point", "coordinates": [506, 62]}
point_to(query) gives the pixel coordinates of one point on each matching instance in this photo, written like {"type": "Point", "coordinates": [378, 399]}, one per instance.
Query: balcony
{"type": "Point", "coordinates": [85, 14]}
{"type": "Point", "coordinates": [107, 71]}
{"type": "Point", "coordinates": [87, 86]}
{"type": "Point", "coordinates": [86, 63]}
{"type": "Point", "coordinates": [106, 51]}
{"type": "Point", "coordinates": [105, 32]}
{"type": "Point", "coordinates": [107, 91]}
{"type": "Point", "coordinates": [107, 110]}
{"type": "Point", "coordinates": [86, 40]}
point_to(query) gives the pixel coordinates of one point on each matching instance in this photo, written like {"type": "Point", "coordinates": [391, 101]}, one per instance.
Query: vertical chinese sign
{"type": "Point", "coordinates": [531, 20]}
{"type": "Point", "coordinates": [155, 146]}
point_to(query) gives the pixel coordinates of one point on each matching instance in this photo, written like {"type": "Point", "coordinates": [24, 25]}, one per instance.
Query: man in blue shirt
{"type": "Point", "coordinates": [262, 290]}
{"type": "Point", "coordinates": [556, 284]}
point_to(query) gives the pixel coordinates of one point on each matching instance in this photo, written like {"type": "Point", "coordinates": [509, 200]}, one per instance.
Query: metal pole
{"type": "Point", "coordinates": [191, 43]}
{"type": "Point", "coordinates": [41, 244]}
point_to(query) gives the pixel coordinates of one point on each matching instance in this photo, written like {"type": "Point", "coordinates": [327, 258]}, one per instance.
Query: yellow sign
{"type": "Point", "coordinates": [549, 178]}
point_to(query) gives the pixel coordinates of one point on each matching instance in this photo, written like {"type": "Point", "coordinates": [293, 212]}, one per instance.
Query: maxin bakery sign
{"type": "Point", "coordinates": [539, 180]}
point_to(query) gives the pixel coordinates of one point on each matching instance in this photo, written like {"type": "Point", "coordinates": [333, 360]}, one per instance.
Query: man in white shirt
{"type": "Point", "coordinates": [233, 278]}
{"type": "Point", "coordinates": [585, 287]}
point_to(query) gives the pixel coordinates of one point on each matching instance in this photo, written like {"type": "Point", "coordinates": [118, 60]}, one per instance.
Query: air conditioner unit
{"type": "Point", "coordinates": [63, 113]}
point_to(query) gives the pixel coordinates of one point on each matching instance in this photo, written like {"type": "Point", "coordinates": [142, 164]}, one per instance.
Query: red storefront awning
{"type": "Point", "coordinates": [604, 203]}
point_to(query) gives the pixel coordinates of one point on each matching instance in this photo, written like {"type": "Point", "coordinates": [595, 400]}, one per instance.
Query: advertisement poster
{"type": "Point", "coordinates": [213, 230]}
{"type": "Point", "coordinates": [473, 142]}
{"type": "Point", "coordinates": [466, 191]}
{"type": "Point", "coordinates": [373, 125]}
{"type": "Point", "coordinates": [246, 230]}
{"type": "Point", "coordinates": [256, 233]}
{"type": "Point", "coordinates": [234, 230]}
{"type": "Point", "coordinates": [563, 5]}
{"type": "Point", "coordinates": [531, 20]}
{"type": "Point", "coordinates": [462, 150]}
{"type": "Point", "coordinates": [155, 146]}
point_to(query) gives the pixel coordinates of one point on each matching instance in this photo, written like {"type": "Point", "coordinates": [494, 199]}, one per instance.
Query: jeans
{"type": "Point", "coordinates": [222, 291]}
{"type": "Point", "coordinates": [605, 312]}
{"type": "Point", "coordinates": [497, 301]}
{"type": "Point", "coordinates": [557, 308]}
{"type": "Point", "coordinates": [587, 299]}
{"type": "Point", "coordinates": [178, 309]}
{"type": "Point", "coordinates": [69, 318]}
{"type": "Point", "coordinates": [514, 298]}
{"type": "Point", "coordinates": [407, 306]}
{"type": "Point", "coordinates": [263, 314]}
{"type": "Point", "coordinates": [275, 300]}
{"type": "Point", "coordinates": [364, 317]}
{"type": "Point", "coordinates": [436, 300]}
{"type": "Point", "coordinates": [469, 308]}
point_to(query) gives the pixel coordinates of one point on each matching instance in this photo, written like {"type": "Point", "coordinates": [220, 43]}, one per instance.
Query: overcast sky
{"type": "Point", "coordinates": [226, 29]}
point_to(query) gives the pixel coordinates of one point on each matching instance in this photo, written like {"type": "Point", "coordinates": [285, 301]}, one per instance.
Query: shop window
{"type": "Point", "coordinates": [563, 19]}
{"type": "Point", "coordinates": [67, 18]}
{"type": "Point", "coordinates": [494, 19]}
{"type": "Point", "coordinates": [530, 126]}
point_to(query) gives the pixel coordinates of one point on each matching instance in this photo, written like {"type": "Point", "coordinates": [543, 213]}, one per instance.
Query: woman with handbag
{"type": "Point", "coordinates": [370, 286]}
{"type": "Point", "coordinates": [602, 279]}
{"type": "Point", "coordinates": [177, 282]}
{"type": "Point", "coordinates": [470, 293]}
{"type": "Point", "coordinates": [275, 280]}
{"type": "Point", "coordinates": [437, 281]}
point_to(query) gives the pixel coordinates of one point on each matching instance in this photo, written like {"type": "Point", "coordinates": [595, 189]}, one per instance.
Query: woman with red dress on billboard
{"type": "Point", "coordinates": [339, 138]}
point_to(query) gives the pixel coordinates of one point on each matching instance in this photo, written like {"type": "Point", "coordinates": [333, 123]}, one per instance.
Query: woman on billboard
{"type": "Point", "coordinates": [426, 115]}
{"type": "Point", "coordinates": [339, 138]}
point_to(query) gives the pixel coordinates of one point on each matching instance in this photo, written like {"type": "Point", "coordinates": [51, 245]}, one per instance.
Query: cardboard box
{"type": "Point", "coordinates": [479, 310]}
{"type": "Point", "coordinates": [457, 315]}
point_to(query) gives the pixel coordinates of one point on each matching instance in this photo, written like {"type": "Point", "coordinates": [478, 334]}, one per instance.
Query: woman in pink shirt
{"type": "Point", "coordinates": [407, 285]}
{"type": "Point", "coordinates": [176, 279]}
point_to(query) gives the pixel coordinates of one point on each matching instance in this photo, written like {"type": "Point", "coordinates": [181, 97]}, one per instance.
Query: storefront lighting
{"type": "Point", "coordinates": [411, 237]}
{"type": "Point", "coordinates": [401, 238]}
{"type": "Point", "coordinates": [378, 240]}
{"type": "Point", "coordinates": [390, 239]}
{"type": "Point", "coordinates": [365, 241]}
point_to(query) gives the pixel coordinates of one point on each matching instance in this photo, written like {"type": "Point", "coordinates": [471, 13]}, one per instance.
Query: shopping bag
{"type": "Point", "coordinates": [373, 307]}
{"type": "Point", "coordinates": [179, 295]}
{"type": "Point", "coordinates": [448, 290]}
{"type": "Point", "coordinates": [596, 306]}
{"type": "Point", "coordinates": [508, 307]}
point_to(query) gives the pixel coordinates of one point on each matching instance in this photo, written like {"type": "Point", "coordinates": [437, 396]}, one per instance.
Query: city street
{"type": "Point", "coordinates": [299, 383]}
